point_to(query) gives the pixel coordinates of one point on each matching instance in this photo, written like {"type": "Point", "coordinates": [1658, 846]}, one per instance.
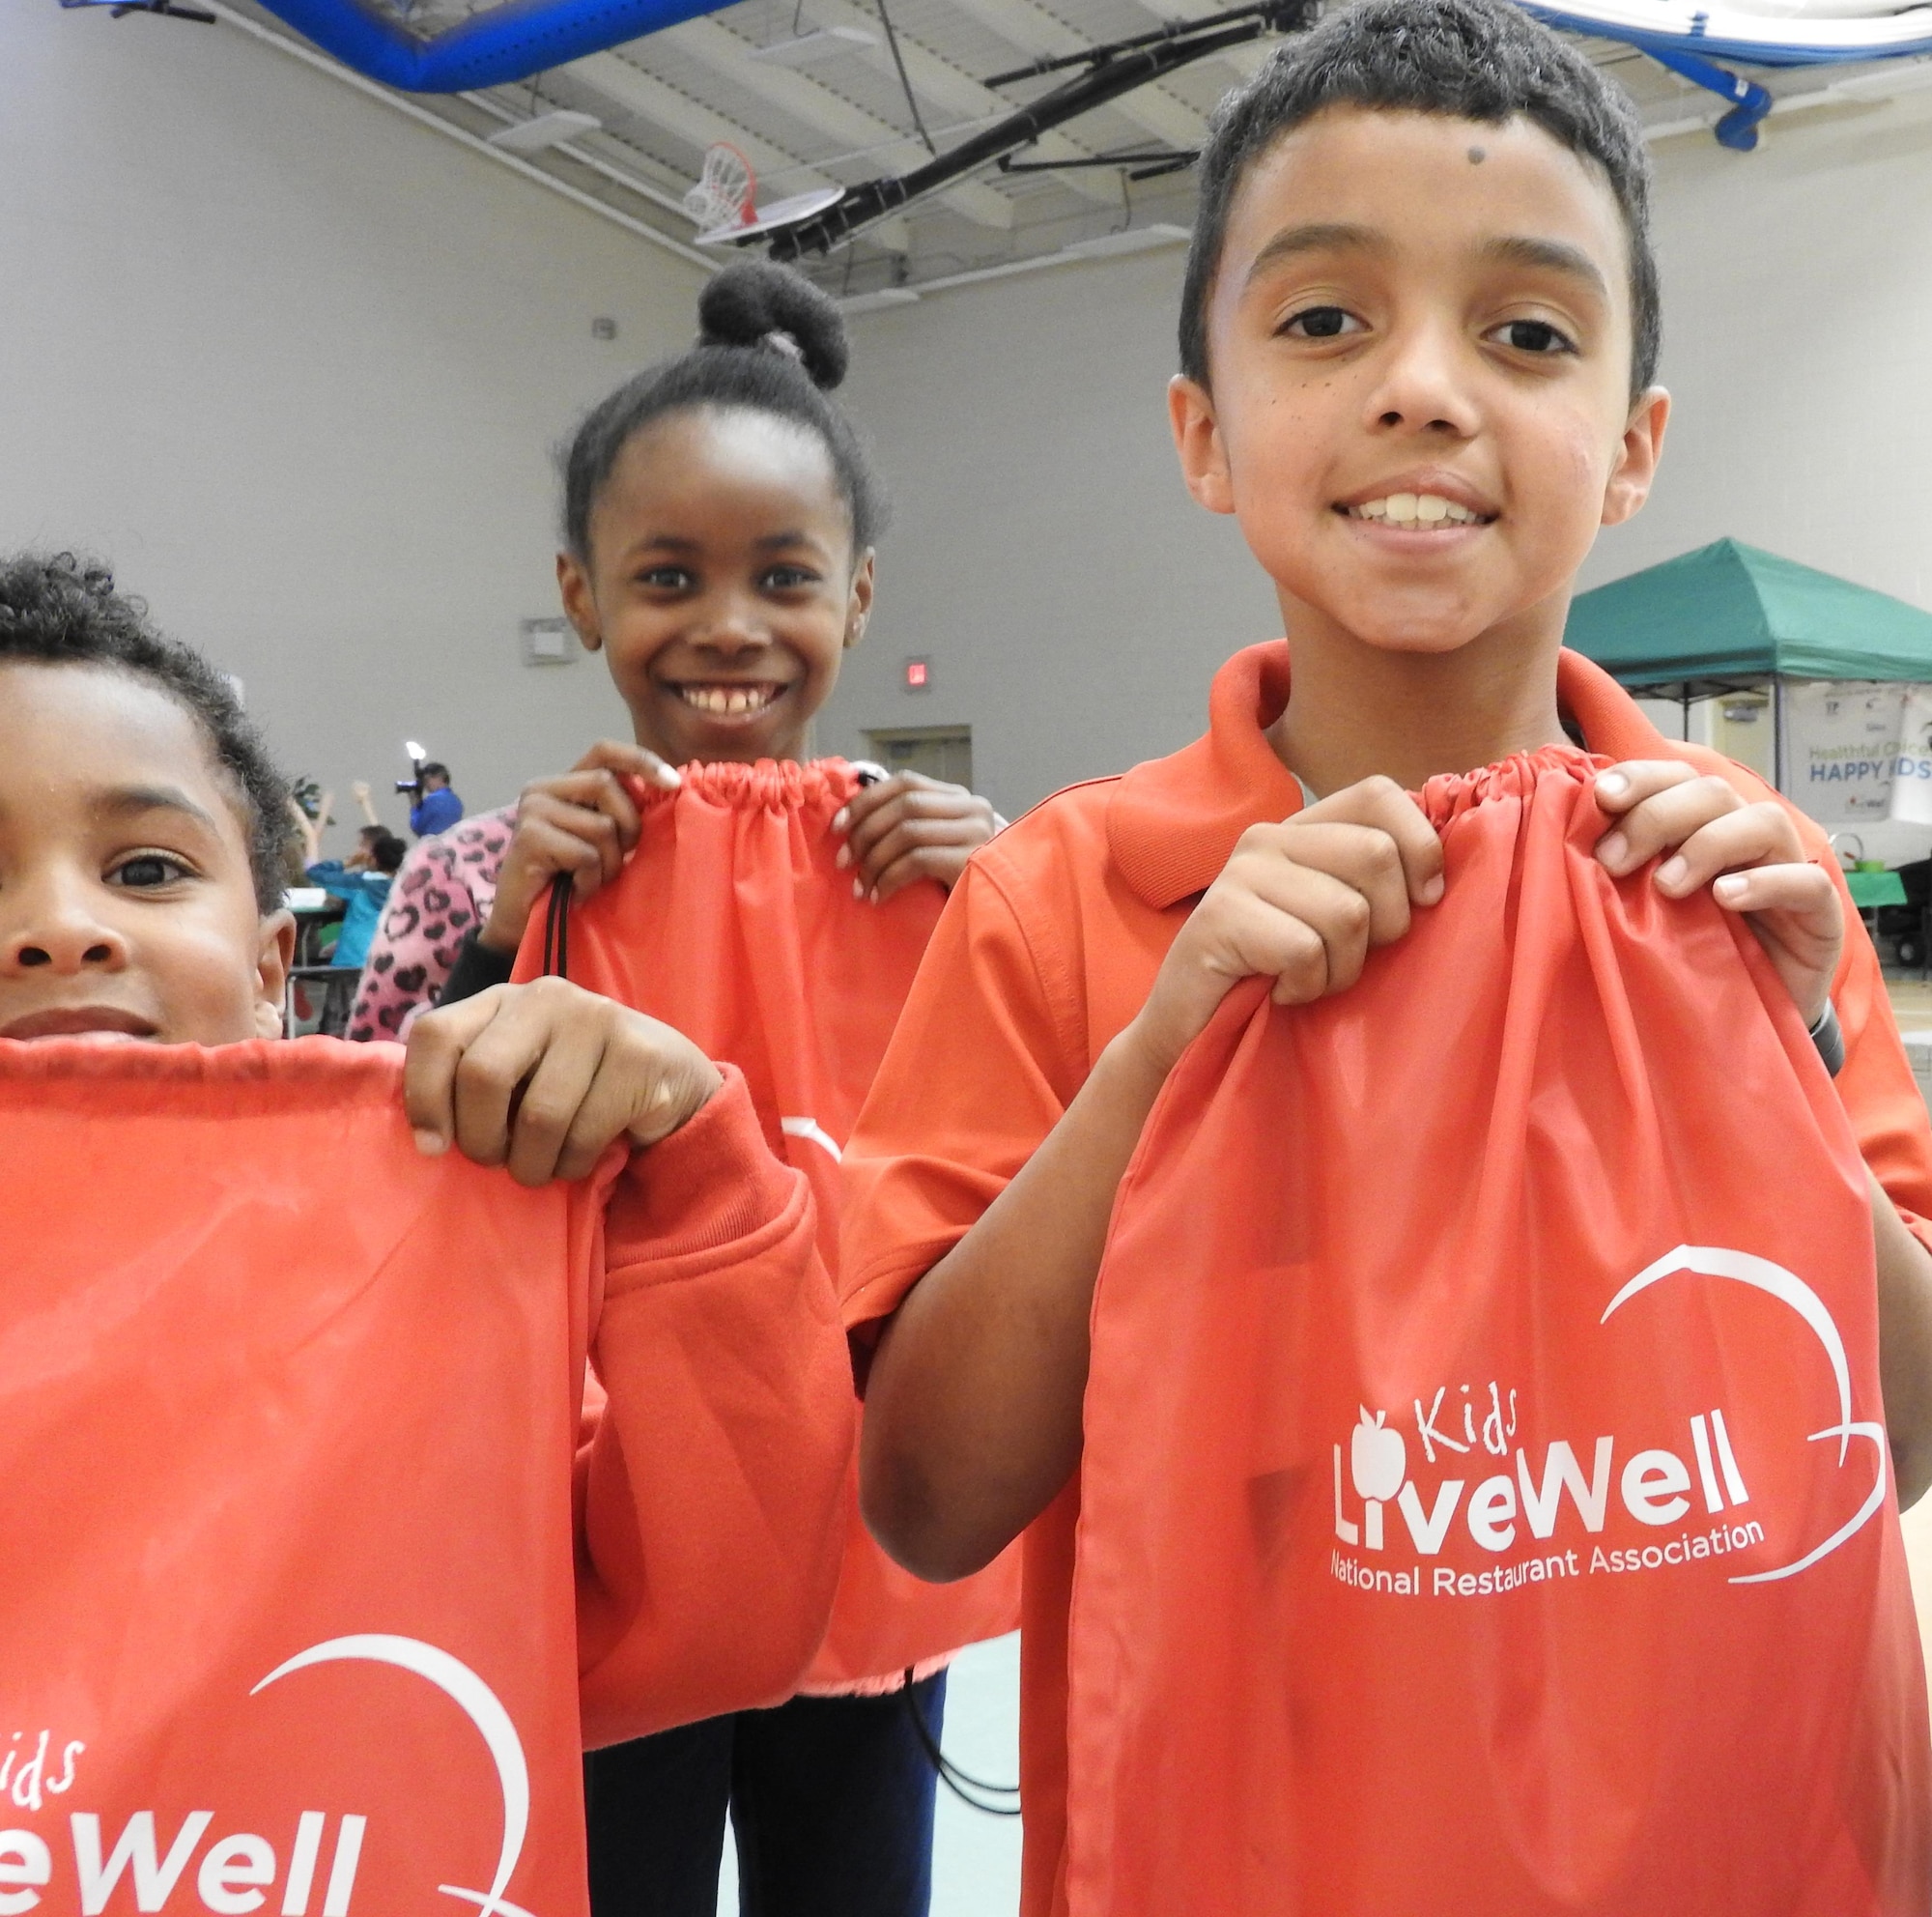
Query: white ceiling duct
{"type": "Point", "coordinates": [1771, 33]}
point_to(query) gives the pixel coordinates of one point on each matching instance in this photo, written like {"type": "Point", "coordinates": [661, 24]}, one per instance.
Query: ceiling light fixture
{"type": "Point", "coordinates": [814, 46]}
{"type": "Point", "coordinates": [1134, 240]}
{"type": "Point", "coordinates": [878, 301]}
{"type": "Point", "coordinates": [546, 131]}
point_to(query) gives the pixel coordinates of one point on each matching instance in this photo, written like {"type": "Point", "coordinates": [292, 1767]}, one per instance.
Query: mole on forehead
{"type": "Point", "coordinates": [1477, 156]}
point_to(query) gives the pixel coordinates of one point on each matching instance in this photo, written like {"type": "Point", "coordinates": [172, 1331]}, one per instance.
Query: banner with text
{"type": "Point", "coordinates": [1843, 741]}
{"type": "Point", "coordinates": [1912, 787]}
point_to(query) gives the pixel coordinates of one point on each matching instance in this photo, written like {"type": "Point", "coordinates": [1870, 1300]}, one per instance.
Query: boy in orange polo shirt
{"type": "Point", "coordinates": [1419, 338]}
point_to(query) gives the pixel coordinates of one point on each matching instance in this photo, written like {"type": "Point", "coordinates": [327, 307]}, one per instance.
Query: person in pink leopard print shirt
{"type": "Point", "coordinates": [444, 889]}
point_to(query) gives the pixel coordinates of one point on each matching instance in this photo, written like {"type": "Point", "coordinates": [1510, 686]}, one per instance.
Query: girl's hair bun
{"type": "Point", "coordinates": [771, 343]}
{"type": "Point", "coordinates": [748, 303]}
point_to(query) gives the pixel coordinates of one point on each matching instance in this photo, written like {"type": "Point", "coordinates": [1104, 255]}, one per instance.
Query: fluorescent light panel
{"type": "Point", "coordinates": [546, 131]}
{"type": "Point", "coordinates": [875, 302]}
{"type": "Point", "coordinates": [815, 46]}
{"type": "Point", "coordinates": [1135, 240]}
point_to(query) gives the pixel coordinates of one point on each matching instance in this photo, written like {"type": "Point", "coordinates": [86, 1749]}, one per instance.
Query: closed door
{"type": "Point", "coordinates": [940, 752]}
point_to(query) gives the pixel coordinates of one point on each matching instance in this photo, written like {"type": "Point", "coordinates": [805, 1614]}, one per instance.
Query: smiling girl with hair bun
{"type": "Point", "coordinates": [719, 522]}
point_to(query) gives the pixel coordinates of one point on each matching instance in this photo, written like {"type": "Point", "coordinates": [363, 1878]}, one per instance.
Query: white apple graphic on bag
{"type": "Point", "coordinates": [1377, 1459]}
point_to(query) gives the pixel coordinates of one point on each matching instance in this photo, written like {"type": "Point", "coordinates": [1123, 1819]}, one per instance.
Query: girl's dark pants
{"type": "Point", "coordinates": [831, 1802]}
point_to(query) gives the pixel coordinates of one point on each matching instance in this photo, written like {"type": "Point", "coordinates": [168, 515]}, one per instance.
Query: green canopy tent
{"type": "Point", "coordinates": [1730, 618]}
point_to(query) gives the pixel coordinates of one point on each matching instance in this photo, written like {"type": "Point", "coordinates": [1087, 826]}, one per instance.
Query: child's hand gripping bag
{"type": "Point", "coordinates": [287, 1421]}
{"type": "Point", "coordinates": [733, 923]}
{"type": "Point", "coordinates": [1486, 1505]}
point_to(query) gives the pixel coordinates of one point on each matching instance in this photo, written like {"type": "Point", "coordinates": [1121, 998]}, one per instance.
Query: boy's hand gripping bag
{"type": "Point", "coordinates": [733, 923]}
{"type": "Point", "coordinates": [1486, 1503]}
{"type": "Point", "coordinates": [287, 1419]}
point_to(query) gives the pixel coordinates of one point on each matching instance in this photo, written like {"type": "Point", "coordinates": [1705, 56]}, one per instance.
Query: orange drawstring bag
{"type": "Point", "coordinates": [287, 1422]}
{"type": "Point", "coordinates": [733, 924]}
{"type": "Point", "coordinates": [1486, 1503]}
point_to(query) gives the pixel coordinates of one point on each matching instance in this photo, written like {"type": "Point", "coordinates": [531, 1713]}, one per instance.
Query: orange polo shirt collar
{"type": "Point", "coordinates": [1173, 823]}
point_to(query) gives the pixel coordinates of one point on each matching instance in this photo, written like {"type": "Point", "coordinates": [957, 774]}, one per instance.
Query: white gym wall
{"type": "Point", "coordinates": [294, 365]}
{"type": "Point", "coordinates": [1073, 599]}
{"type": "Point", "coordinates": [297, 364]}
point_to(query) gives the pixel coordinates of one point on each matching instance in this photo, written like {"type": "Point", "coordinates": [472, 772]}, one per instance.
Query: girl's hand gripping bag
{"type": "Point", "coordinates": [733, 923]}
{"type": "Point", "coordinates": [1486, 1505]}
{"type": "Point", "coordinates": [287, 1421]}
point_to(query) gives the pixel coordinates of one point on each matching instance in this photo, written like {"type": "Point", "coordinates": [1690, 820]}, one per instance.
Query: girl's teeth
{"type": "Point", "coordinates": [727, 701]}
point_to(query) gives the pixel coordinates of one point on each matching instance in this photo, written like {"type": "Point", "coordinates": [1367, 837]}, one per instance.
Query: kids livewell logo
{"type": "Point", "coordinates": [234, 1874]}
{"type": "Point", "coordinates": [1522, 1500]}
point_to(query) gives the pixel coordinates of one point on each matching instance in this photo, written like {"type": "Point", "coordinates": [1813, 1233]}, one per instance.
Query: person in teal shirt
{"type": "Point", "coordinates": [366, 892]}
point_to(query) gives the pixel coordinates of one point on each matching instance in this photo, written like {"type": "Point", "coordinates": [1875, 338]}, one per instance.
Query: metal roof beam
{"type": "Point", "coordinates": [1039, 35]}
{"type": "Point", "coordinates": [805, 100]}
{"type": "Point", "coordinates": [1246, 59]}
{"type": "Point", "coordinates": [1109, 73]}
{"type": "Point", "coordinates": [628, 86]}
{"type": "Point", "coordinates": [959, 93]}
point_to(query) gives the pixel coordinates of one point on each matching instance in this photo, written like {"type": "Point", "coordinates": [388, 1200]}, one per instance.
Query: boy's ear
{"type": "Point", "coordinates": [859, 606]}
{"type": "Point", "coordinates": [276, 954]}
{"type": "Point", "coordinates": [578, 606]}
{"type": "Point", "coordinates": [1635, 470]}
{"type": "Point", "coordinates": [1197, 438]}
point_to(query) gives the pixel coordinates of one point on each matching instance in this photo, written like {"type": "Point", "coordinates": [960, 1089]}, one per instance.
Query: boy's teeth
{"type": "Point", "coordinates": [1417, 509]}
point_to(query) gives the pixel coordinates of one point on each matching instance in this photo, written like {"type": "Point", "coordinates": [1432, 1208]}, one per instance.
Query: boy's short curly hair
{"type": "Point", "coordinates": [59, 610]}
{"type": "Point", "coordinates": [1482, 60]}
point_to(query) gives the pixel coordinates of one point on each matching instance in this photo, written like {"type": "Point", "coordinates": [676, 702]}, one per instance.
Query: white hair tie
{"type": "Point", "coordinates": [781, 341]}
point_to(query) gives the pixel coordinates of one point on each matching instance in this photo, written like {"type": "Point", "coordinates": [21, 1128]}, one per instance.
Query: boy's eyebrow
{"type": "Point", "coordinates": [1551, 256]}
{"type": "Point", "coordinates": [776, 542]}
{"type": "Point", "coordinates": [121, 800]}
{"type": "Point", "coordinates": [1316, 235]}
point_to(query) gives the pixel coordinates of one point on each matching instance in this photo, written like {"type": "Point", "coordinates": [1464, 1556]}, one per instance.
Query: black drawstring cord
{"type": "Point", "coordinates": [556, 928]}
{"type": "Point", "coordinates": [960, 1783]}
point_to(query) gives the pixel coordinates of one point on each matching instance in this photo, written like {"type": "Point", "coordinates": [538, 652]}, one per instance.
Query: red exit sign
{"type": "Point", "coordinates": [918, 674]}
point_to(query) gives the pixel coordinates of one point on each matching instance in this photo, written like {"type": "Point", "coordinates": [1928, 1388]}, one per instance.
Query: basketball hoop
{"type": "Point", "coordinates": [724, 197]}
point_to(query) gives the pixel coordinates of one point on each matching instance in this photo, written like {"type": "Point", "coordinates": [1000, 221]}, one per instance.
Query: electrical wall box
{"type": "Point", "coordinates": [549, 643]}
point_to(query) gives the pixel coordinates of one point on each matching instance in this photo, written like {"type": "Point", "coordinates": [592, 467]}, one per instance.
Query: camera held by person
{"type": "Point", "coordinates": [433, 807]}
{"type": "Point", "coordinates": [418, 765]}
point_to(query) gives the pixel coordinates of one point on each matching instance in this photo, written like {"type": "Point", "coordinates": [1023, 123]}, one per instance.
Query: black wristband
{"type": "Point", "coordinates": [1829, 1039]}
{"type": "Point", "coordinates": [476, 969]}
